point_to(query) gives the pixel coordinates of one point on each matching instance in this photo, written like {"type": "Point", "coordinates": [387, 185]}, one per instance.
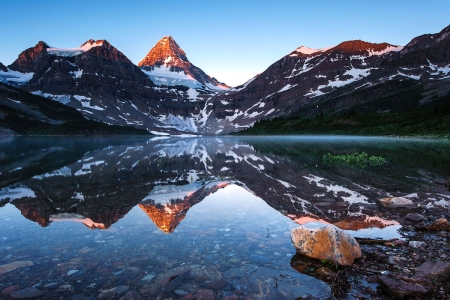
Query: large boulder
{"type": "Point", "coordinates": [324, 241]}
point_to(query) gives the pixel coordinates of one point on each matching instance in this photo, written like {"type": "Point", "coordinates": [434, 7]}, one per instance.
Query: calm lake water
{"type": "Point", "coordinates": [90, 214]}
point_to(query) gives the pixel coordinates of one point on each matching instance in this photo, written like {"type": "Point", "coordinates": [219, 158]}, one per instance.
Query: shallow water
{"type": "Point", "coordinates": [92, 213]}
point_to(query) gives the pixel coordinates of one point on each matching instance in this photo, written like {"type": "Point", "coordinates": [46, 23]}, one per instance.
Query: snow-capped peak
{"type": "Point", "coordinates": [307, 50]}
{"type": "Point", "coordinates": [74, 51]}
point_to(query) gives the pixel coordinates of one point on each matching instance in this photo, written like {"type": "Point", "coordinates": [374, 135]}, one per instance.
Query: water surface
{"type": "Point", "coordinates": [93, 213]}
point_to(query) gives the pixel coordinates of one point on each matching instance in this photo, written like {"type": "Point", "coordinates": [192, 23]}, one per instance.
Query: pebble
{"type": "Point", "coordinates": [217, 285]}
{"type": "Point", "coordinates": [14, 266]}
{"type": "Point", "coordinates": [132, 295]}
{"type": "Point", "coordinates": [148, 278]}
{"type": "Point", "coordinates": [204, 294]}
{"type": "Point", "coordinates": [9, 289]}
{"type": "Point", "coordinates": [71, 272]}
{"type": "Point", "coordinates": [414, 217]}
{"type": "Point", "coordinates": [113, 292]}
{"type": "Point", "coordinates": [417, 244]}
{"type": "Point", "coordinates": [180, 293]}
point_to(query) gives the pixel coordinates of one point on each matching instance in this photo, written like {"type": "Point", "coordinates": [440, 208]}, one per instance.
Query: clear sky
{"type": "Point", "coordinates": [230, 40]}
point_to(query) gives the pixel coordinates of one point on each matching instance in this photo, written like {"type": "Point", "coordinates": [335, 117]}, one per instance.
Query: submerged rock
{"type": "Point", "coordinates": [114, 292]}
{"type": "Point", "coordinates": [26, 293]}
{"type": "Point", "coordinates": [131, 295]}
{"type": "Point", "coordinates": [15, 265]}
{"type": "Point", "coordinates": [323, 241]}
{"type": "Point", "coordinates": [264, 283]}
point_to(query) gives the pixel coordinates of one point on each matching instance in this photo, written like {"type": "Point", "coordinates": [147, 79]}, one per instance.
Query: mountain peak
{"type": "Point", "coordinates": [92, 43]}
{"type": "Point", "coordinates": [165, 51]}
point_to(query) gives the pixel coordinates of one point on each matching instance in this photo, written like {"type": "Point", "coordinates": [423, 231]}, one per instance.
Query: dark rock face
{"type": "Point", "coordinates": [3, 68]}
{"type": "Point", "coordinates": [33, 59]}
{"type": "Point", "coordinates": [167, 53]}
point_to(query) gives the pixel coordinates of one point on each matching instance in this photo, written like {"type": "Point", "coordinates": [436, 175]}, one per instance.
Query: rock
{"type": "Point", "coordinates": [434, 270]}
{"type": "Point", "coordinates": [180, 293]}
{"type": "Point", "coordinates": [26, 293]}
{"type": "Point", "coordinates": [131, 295]}
{"type": "Point", "coordinates": [84, 250]}
{"type": "Point", "coordinates": [204, 294]}
{"type": "Point", "coordinates": [71, 272]}
{"type": "Point", "coordinates": [324, 272]}
{"type": "Point", "coordinates": [396, 202]}
{"type": "Point", "coordinates": [259, 259]}
{"type": "Point", "coordinates": [78, 297]}
{"type": "Point", "coordinates": [148, 278]}
{"type": "Point", "coordinates": [417, 244]}
{"type": "Point", "coordinates": [323, 241]}
{"type": "Point", "coordinates": [439, 225]}
{"type": "Point", "coordinates": [216, 285]}
{"type": "Point", "coordinates": [171, 283]}
{"type": "Point", "coordinates": [114, 292]}
{"type": "Point", "coordinates": [232, 297]}
{"type": "Point", "coordinates": [264, 283]}
{"type": "Point", "coordinates": [15, 265]}
{"type": "Point", "coordinates": [9, 289]}
{"type": "Point", "coordinates": [399, 287]}
{"type": "Point", "coordinates": [414, 217]}
{"type": "Point", "coordinates": [201, 278]}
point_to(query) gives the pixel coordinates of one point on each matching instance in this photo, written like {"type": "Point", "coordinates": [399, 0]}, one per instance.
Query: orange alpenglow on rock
{"type": "Point", "coordinates": [322, 241]}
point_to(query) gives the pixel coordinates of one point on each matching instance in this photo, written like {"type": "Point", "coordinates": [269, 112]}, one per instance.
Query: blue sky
{"type": "Point", "coordinates": [230, 40]}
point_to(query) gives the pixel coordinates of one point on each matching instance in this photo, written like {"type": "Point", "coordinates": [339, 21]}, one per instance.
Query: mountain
{"type": "Point", "coordinates": [167, 64]}
{"type": "Point", "coordinates": [103, 84]}
{"type": "Point", "coordinates": [351, 75]}
{"type": "Point", "coordinates": [166, 94]}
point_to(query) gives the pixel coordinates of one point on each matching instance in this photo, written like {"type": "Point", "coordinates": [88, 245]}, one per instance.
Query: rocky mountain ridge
{"type": "Point", "coordinates": [166, 94]}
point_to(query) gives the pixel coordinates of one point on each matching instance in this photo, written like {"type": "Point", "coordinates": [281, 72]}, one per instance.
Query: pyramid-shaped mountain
{"type": "Point", "coordinates": [167, 64]}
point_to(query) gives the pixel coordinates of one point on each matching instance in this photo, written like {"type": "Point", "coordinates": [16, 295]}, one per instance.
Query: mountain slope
{"type": "Point", "coordinates": [167, 64]}
{"type": "Point", "coordinates": [311, 81]}
{"type": "Point", "coordinates": [24, 113]}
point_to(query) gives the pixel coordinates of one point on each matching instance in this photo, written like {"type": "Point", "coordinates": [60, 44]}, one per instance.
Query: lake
{"type": "Point", "coordinates": [84, 217]}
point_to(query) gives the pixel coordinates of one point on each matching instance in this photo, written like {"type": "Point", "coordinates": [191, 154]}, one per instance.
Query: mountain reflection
{"type": "Point", "coordinates": [166, 177]}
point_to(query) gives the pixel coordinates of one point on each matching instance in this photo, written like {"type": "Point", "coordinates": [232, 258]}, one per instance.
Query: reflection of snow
{"type": "Point", "coordinates": [164, 193]}
{"type": "Point", "coordinates": [16, 193]}
{"type": "Point", "coordinates": [86, 169]}
{"type": "Point", "coordinates": [67, 217]}
{"type": "Point", "coordinates": [354, 197]}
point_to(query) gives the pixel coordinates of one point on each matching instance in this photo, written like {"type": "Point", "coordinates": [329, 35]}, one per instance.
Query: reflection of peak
{"type": "Point", "coordinates": [166, 220]}
{"type": "Point", "coordinates": [167, 205]}
{"type": "Point", "coordinates": [33, 213]}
